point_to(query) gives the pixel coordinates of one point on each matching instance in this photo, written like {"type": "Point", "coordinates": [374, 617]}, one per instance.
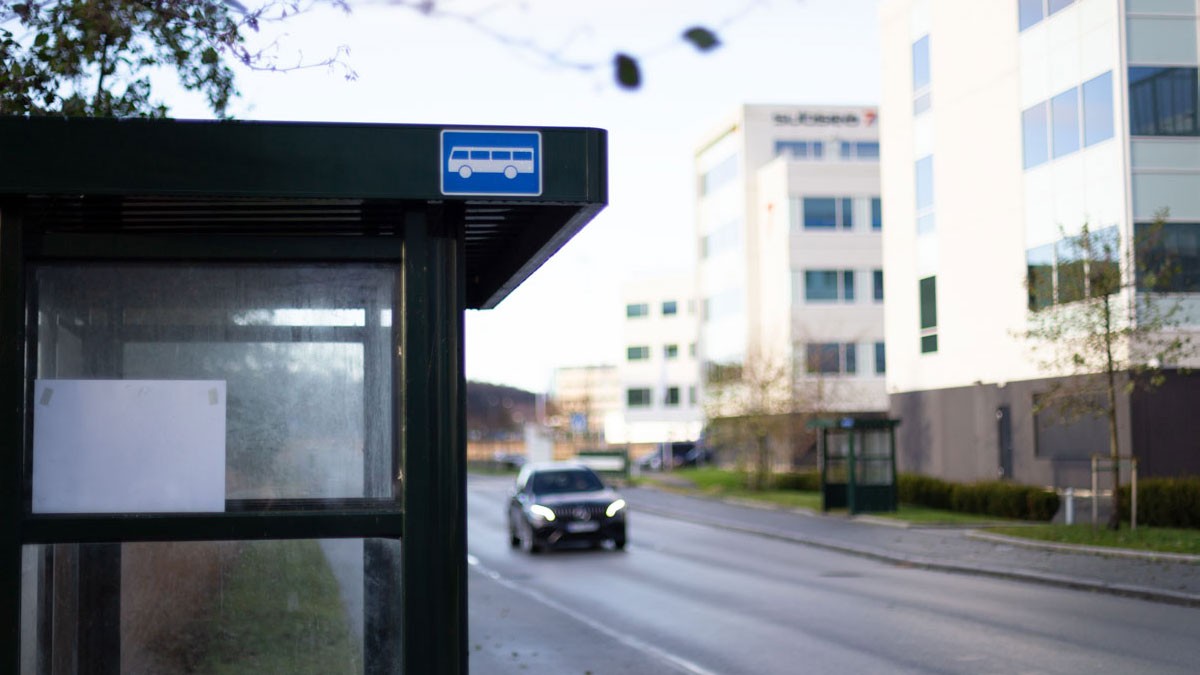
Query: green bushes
{"type": "Point", "coordinates": [807, 481]}
{"type": "Point", "coordinates": [1165, 502]}
{"type": "Point", "coordinates": [993, 498]}
{"type": "Point", "coordinates": [924, 491]}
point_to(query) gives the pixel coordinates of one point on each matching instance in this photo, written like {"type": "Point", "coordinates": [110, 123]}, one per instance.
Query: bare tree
{"type": "Point", "coordinates": [1100, 319]}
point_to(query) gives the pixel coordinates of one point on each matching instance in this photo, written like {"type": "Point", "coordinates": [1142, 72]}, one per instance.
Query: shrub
{"type": "Point", "coordinates": [809, 481]}
{"type": "Point", "coordinates": [924, 491]}
{"type": "Point", "coordinates": [992, 498]}
{"type": "Point", "coordinates": [1165, 502]}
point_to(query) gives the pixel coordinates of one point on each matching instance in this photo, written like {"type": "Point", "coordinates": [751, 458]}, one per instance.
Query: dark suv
{"type": "Point", "coordinates": [561, 503]}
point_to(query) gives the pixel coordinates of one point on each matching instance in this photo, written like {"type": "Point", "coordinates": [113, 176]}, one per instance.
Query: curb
{"type": "Point", "coordinates": [1078, 548]}
{"type": "Point", "coordinates": [1095, 585]}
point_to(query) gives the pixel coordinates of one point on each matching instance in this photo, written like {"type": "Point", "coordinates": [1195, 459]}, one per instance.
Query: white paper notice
{"type": "Point", "coordinates": [128, 446]}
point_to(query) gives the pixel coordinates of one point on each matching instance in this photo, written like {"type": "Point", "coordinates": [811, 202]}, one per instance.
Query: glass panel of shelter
{"type": "Point", "coordinates": [307, 354]}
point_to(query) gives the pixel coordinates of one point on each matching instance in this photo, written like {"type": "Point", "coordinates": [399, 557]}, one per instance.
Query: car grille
{"type": "Point", "coordinates": [568, 512]}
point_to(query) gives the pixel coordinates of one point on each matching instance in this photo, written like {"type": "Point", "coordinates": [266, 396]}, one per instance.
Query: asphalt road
{"type": "Point", "coordinates": [688, 598]}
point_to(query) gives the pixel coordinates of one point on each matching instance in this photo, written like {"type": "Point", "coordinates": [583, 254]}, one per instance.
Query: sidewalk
{"type": "Point", "coordinates": [1161, 580]}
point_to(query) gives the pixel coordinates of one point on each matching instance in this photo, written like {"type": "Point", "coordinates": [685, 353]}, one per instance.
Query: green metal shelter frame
{"type": "Point", "coordinates": [129, 197]}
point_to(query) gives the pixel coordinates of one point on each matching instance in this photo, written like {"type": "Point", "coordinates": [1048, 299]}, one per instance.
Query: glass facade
{"type": "Point", "coordinates": [1078, 117]}
{"type": "Point", "coordinates": [877, 285]}
{"type": "Point", "coordinates": [1163, 101]}
{"type": "Point", "coordinates": [876, 213]}
{"type": "Point", "coordinates": [880, 359]}
{"type": "Point", "coordinates": [637, 310]}
{"type": "Point", "coordinates": [928, 310]}
{"type": "Point", "coordinates": [638, 353]}
{"type": "Point", "coordinates": [670, 308]}
{"type": "Point", "coordinates": [1169, 257]}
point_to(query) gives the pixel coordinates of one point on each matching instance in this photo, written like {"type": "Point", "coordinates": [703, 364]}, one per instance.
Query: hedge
{"type": "Point", "coordinates": [993, 498]}
{"type": "Point", "coordinates": [809, 481]}
{"type": "Point", "coordinates": [1165, 502]}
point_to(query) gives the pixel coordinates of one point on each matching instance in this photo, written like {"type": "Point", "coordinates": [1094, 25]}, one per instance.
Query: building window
{"type": "Point", "coordinates": [800, 149]}
{"type": "Point", "coordinates": [877, 285]}
{"type": "Point", "coordinates": [831, 358]}
{"type": "Point", "coordinates": [1078, 117]}
{"type": "Point", "coordinates": [925, 223]}
{"type": "Point", "coordinates": [692, 395]}
{"type": "Point", "coordinates": [1170, 259]}
{"type": "Point", "coordinates": [880, 359]}
{"type": "Point", "coordinates": [1064, 113]}
{"type": "Point", "coordinates": [638, 397]}
{"type": "Point", "coordinates": [1097, 109]}
{"type": "Point", "coordinates": [876, 213]}
{"type": "Point", "coordinates": [670, 351]}
{"type": "Point", "coordinates": [692, 350]}
{"type": "Point", "coordinates": [859, 150]}
{"type": "Point", "coordinates": [920, 64]}
{"type": "Point", "coordinates": [1031, 12]}
{"type": "Point", "coordinates": [820, 213]}
{"type": "Point", "coordinates": [1040, 276]}
{"type": "Point", "coordinates": [924, 180]}
{"type": "Point", "coordinates": [669, 308]}
{"type": "Point", "coordinates": [928, 295]}
{"type": "Point", "coordinates": [723, 173]}
{"type": "Point", "coordinates": [672, 397]}
{"type": "Point", "coordinates": [829, 285]}
{"type": "Point", "coordinates": [639, 353]}
{"type": "Point", "coordinates": [1068, 270]}
{"type": "Point", "coordinates": [826, 213]}
{"type": "Point", "coordinates": [637, 310]}
{"type": "Point", "coordinates": [1035, 132]}
{"type": "Point", "coordinates": [1163, 101]}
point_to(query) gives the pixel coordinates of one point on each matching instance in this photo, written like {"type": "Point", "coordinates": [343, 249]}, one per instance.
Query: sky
{"type": "Point", "coordinates": [526, 62]}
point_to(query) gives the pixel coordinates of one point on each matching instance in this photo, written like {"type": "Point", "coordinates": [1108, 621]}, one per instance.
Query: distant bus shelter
{"type": "Point", "coordinates": [232, 398]}
{"type": "Point", "coordinates": [858, 463]}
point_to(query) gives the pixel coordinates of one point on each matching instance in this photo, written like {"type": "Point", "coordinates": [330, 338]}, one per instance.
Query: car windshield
{"type": "Point", "coordinates": [575, 480]}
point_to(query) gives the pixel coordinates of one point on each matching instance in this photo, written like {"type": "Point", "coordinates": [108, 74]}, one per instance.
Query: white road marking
{"type": "Point", "coordinates": [624, 638]}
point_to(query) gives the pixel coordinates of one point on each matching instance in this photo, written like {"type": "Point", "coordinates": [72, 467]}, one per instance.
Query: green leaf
{"type": "Point", "coordinates": [702, 38]}
{"type": "Point", "coordinates": [628, 74]}
{"type": "Point", "coordinates": [209, 56]}
{"type": "Point", "coordinates": [41, 39]}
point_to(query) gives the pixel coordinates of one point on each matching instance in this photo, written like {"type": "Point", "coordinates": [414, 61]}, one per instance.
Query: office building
{"type": "Point", "coordinates": [1007, 127]}
{"type": "Point", "coordinates": [788, 224]}
{"type": "Point", "coordinates": [658, 368]}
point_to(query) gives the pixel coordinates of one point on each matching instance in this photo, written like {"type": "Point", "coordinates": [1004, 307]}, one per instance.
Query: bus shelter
{"type": "Point", "coordinates": [232, 427]}
{"type": "Point", "coordinates": [858, 463]}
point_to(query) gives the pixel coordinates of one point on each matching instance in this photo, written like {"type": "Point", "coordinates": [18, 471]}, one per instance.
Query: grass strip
{"type": "Point", "coordinates": [280, 613]}
{"type": "Point", "coordinates": [1159, 539]}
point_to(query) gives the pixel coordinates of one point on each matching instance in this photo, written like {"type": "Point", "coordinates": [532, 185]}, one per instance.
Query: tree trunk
{"type": "Point", "coordinates": [1114, 519]}
{"type": "Point", "coordinates": [764, 468]}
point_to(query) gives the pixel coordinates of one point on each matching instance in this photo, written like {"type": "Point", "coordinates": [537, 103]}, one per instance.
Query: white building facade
{"type": "Point", "coordinates": [658, 369]}
{"type": "Point", "coordinates": [789, 221]}
{"type": "Point", "coordinates": [1009, 125]}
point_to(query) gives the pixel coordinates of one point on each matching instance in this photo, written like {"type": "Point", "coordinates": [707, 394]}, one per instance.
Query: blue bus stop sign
{"type": "Point", "coordinates": [491, 163]}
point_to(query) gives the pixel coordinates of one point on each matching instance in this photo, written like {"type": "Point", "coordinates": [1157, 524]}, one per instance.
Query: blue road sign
{"type": "Point", "coordinates": [491, 163]}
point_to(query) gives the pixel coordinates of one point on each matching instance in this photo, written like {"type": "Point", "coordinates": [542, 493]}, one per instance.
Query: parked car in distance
{"type": "Point", "coordinates": [682, 453]}
{"type": "Point", "coordinates": [563, 503]}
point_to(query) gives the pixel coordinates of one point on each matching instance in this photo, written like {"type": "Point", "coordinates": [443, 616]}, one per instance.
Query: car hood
{"type": "Point", "coordinates": [605, 496]}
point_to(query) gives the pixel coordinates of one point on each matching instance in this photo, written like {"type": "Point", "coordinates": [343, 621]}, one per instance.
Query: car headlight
{"type": "Point", "coordinates": [542, 512]}
{"type": "Point", "coordinates": [614, 507]}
